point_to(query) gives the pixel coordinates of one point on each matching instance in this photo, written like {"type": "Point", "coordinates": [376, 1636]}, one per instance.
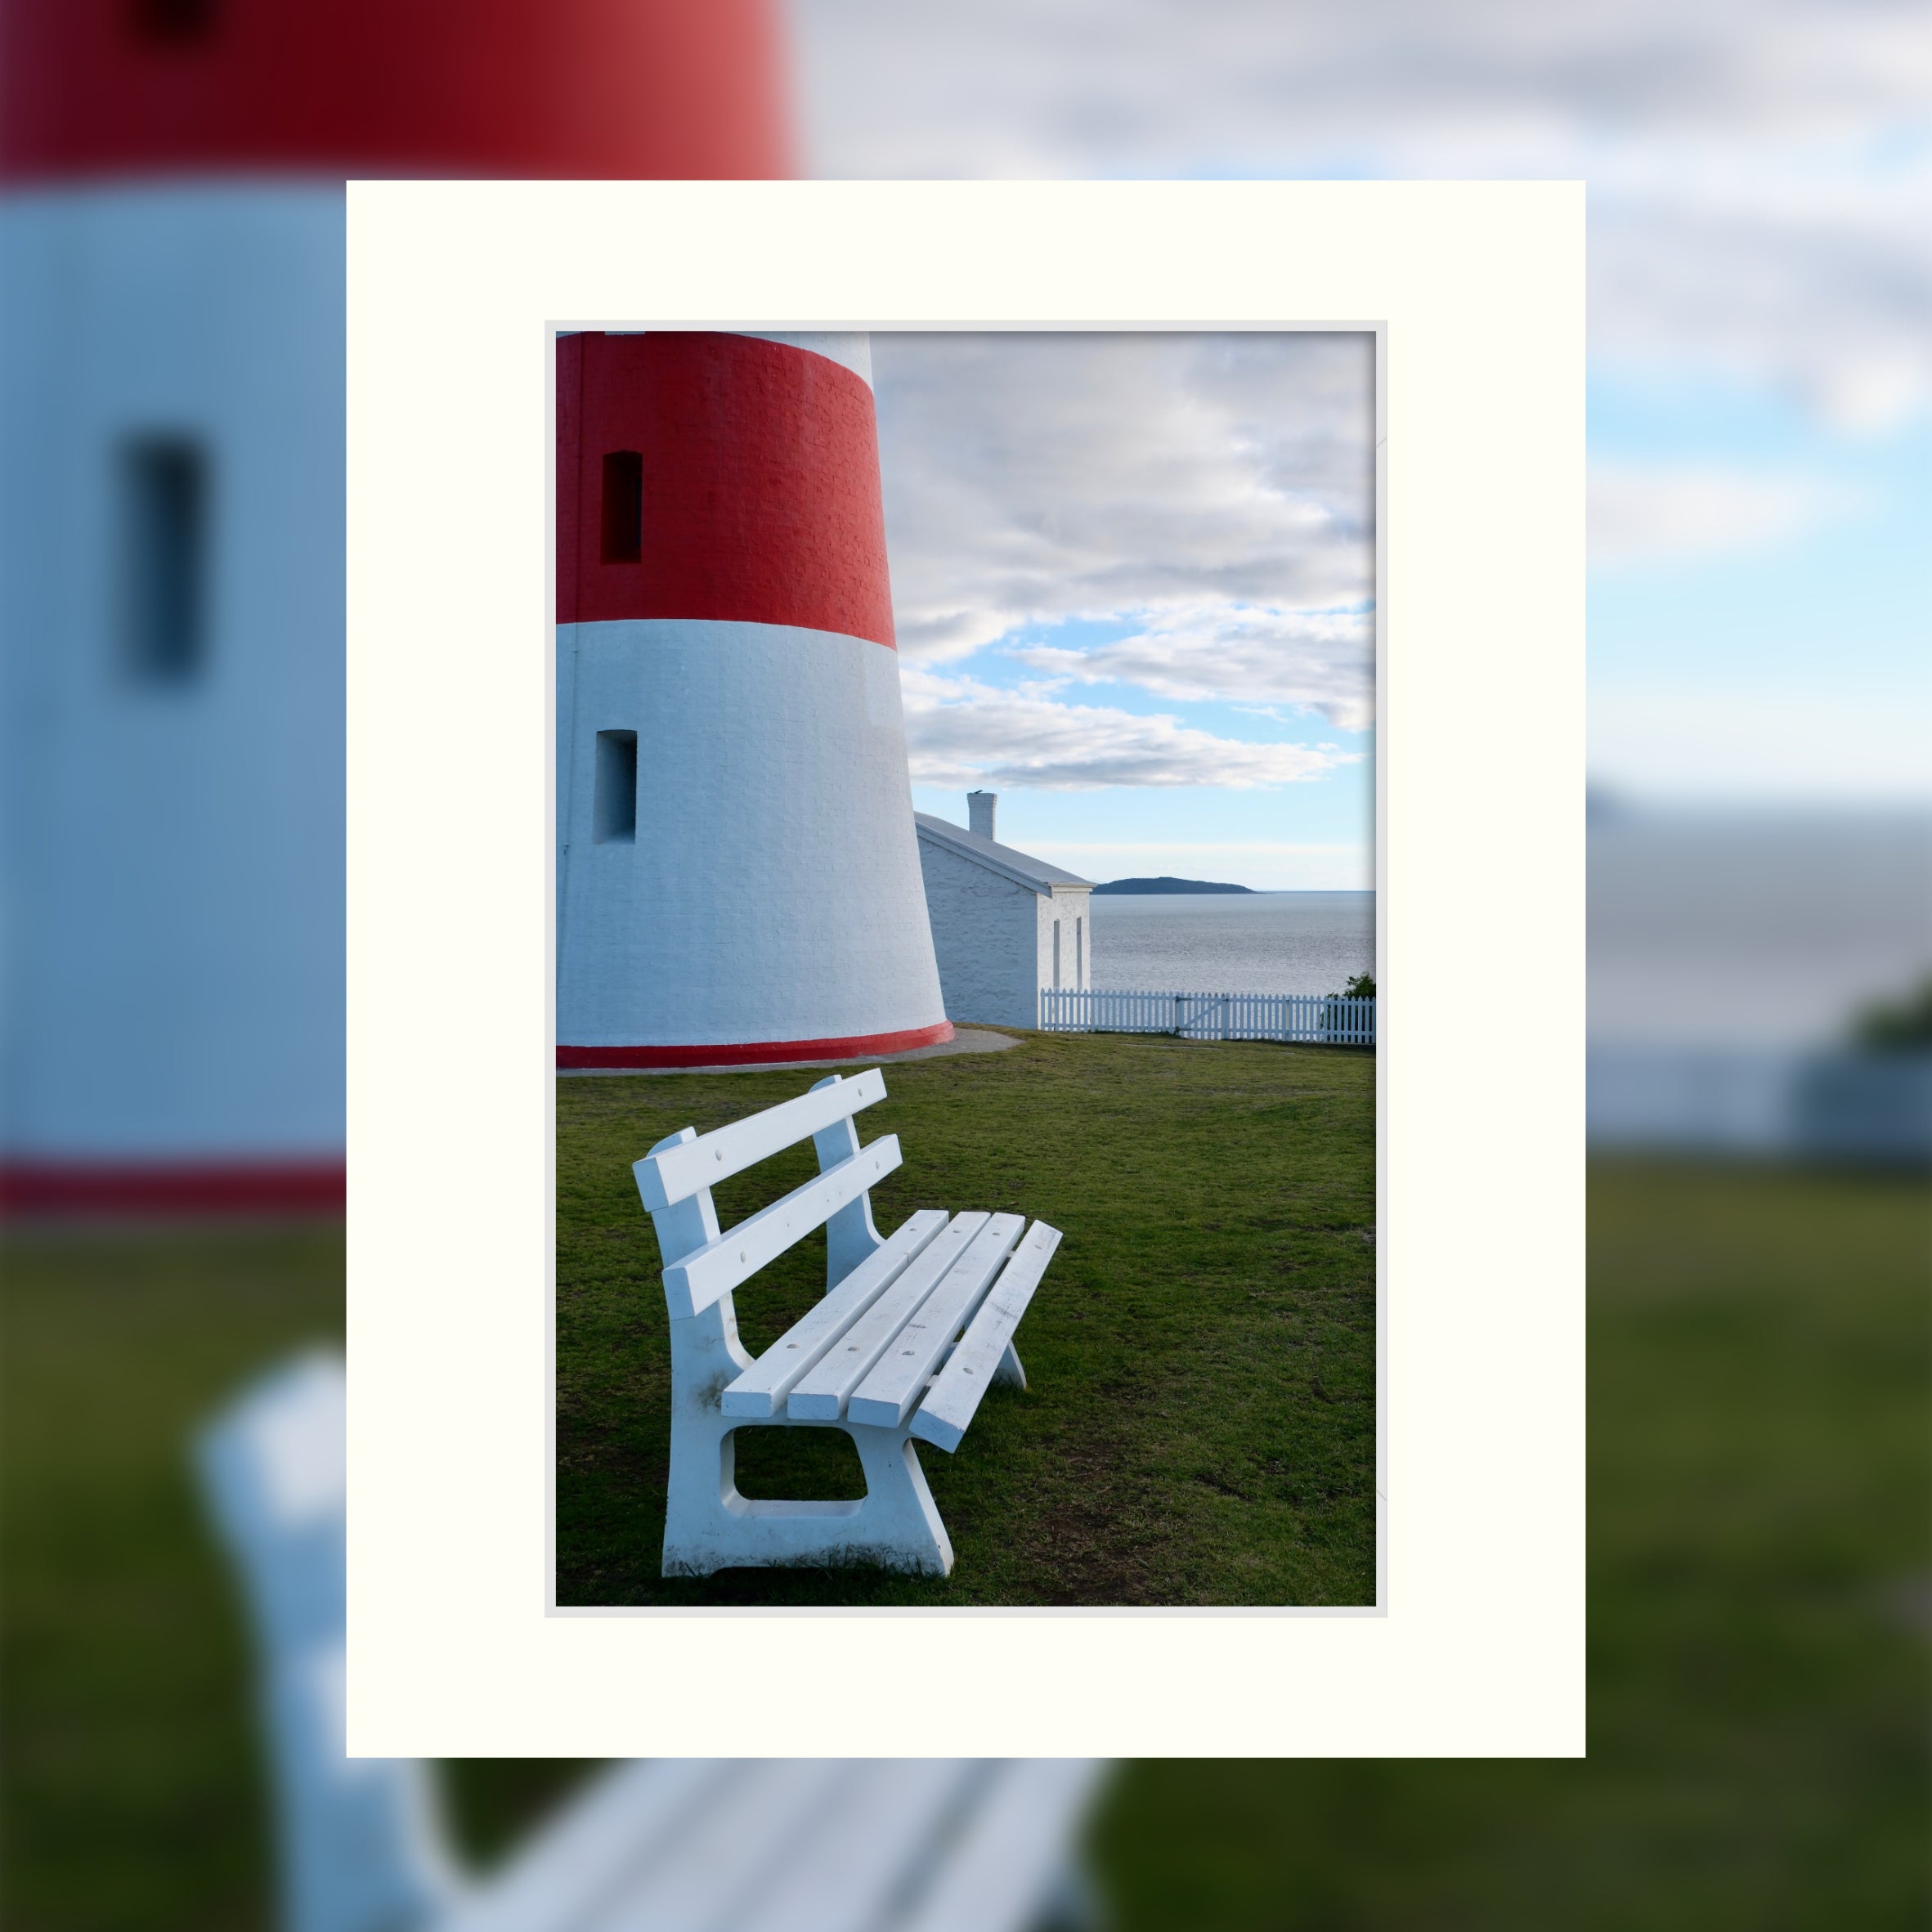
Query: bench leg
{"type": "Point", "coordinates": [1010, 1375]}
{"type": "Point", "coordinates": [708, 1525]}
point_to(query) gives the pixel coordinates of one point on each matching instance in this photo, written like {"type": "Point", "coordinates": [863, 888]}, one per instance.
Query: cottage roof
{"type": "Point", "coordinates": [1021, 868]}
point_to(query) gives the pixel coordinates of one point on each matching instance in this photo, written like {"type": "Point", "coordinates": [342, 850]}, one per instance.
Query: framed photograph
{"type": "Point", "coordinates": [951, 1081]}
{"type": "Point", "coordinates": [894, 675]}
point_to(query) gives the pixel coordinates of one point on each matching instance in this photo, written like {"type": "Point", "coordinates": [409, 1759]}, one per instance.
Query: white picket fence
{"type": "Point", "coordinates": [1316, 1019]}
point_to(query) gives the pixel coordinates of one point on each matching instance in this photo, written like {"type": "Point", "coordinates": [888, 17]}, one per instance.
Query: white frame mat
{"type": "Point", "coordinates": [1476, 292]}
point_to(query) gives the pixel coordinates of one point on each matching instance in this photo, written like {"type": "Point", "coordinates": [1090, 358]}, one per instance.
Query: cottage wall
{"type": "Point", "coordinates": [985, 933]}
{"type": "Point", "coordinates": [1067, 911]}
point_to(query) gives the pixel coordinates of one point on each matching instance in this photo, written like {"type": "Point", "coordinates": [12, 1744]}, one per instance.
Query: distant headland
{"type": "Point", "coordinates": [1164, 884]}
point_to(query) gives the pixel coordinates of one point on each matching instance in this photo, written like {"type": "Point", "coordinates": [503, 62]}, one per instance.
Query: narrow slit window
{"type": "Point", "coordinates": [164, 486]}
{"type": "Point", "coordinates": [623, 507]}
{"type": "Point", "coordinates": [1079, 954]}
{"type": "Point", "coordinates": [1057, 955]}
{"type": "Point", "coordinates": [174, 23]}
{"type": "Point", "coordinates": [615, 811]}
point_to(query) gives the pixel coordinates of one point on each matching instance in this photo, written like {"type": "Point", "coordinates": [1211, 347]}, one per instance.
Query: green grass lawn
{"type": "Point", "coordinates": [132, 1793]}
{"type": "Point", "coordinates": [1759, 1564]}
{"type": "Point", "coordinates": [1200, 1425]}
{"type": "Point", "coordinates": [1760, 1594]}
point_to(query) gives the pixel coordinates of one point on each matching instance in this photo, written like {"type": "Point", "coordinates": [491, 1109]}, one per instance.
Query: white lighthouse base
{"type": "Point", "coordinates": [172, 835]}
{"type": "Point", "coordinates": [737, 872]}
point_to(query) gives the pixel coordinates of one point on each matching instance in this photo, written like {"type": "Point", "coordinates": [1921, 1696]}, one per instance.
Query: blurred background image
{"type": "Point", "coordinates": [1760, 852]}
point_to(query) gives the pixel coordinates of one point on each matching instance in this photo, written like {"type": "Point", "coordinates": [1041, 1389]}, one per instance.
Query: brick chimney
{"type": "Point", "coordinates": [979, 810]}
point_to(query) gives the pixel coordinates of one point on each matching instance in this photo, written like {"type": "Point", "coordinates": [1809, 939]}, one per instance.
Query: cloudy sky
{"type": "Point", "coordinates": [1134, 581]}
{"type": "Point", "coordinates": [1760, 178]}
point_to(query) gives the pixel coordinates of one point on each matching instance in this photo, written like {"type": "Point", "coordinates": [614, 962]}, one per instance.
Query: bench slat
{"type": "Point", "coordinates": [861, 1857]}
{"type": "Point", "coordinates": [1000, 1873]}
{"type": "Point", "coordinates": [727, 1851]}
{"type": "Point", "coordinates": [702, 1276]}
{"type": "Point", "coordinates": [891, 1392]}
{"type": "Point", "coordinates": [678, 1173]}
{"type": "Point", "coordinates": [954, 1398]}
{"type": "Point", "coordinates": [621, 1825]}
{"type": "Point", "coordinates": [760, 1392]}
{"type": "Point", "coordinates": [820, 1395]}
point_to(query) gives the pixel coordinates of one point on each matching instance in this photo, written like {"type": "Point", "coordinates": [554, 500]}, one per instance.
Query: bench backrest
{"type": "Point", "coordinates": [702, 1263]}
{"type": "Point", "coordinates": [362, 1844]}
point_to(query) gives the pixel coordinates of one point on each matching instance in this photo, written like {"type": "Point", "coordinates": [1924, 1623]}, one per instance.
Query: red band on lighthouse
{"type": "Point", "coordinates": [697, 473]}
{"type": "Point", "coordinates": [604, 89]}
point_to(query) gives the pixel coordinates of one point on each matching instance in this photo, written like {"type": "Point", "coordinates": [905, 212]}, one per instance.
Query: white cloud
{"type": "Point", "coordinates": [1712, 739]}
{"type": "Point", "coordinates": [1305, 660]}
{"type": "Point", "coordinates": [1652, 513]}
{"type": "Point", "coordinates": [1760, 181]}
{"type": "Point", "coordinates": [1030, 478]}
{"type": "Point", "coordinates": [961, 734]}
{"type": "Point", "coordinates": [1023, 86]}
{"type": "Point", "coordinates": [1018, 88]}
{"type": "Point", "coordinates": [1807, 275]}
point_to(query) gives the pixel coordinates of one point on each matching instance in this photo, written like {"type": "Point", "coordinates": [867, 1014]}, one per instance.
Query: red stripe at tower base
{"type": "Point", "coordinates": [88, 1189]}
{"type": "Point", "coordinates": [857, 1047]}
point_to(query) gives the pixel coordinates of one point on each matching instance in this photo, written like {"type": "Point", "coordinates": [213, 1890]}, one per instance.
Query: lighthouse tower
{"type": "Point", "coordinates": [737, 868]}
{"type": "Point", "coordinates": [171, 472]}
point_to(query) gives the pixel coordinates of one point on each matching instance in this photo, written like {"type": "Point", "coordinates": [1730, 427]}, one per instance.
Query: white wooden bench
{"type": "Point", "coordinates": [911, 1332]}
{"type": "Point", "coordinates": [960, 1844]}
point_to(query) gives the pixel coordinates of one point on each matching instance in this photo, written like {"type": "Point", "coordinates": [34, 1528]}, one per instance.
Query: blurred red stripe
{"type": "Point", "coordinates": [108, 1189]}
{"type": "Point", "coordinates": [566, 89]}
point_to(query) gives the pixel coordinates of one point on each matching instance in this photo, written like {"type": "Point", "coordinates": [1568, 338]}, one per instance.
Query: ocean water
{"type": "Point", "coordinates": [1233, 942]}
{"type": "Point", "coordinates": [1768, 928]}
{"type": "Point", "coordinates": [1706, 928]}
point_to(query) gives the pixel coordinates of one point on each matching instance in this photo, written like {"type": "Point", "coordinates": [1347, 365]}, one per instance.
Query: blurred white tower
{"type": "Point", "coordinates": [737, 874]}
{"type": "Point", "coordinates": [171, 525]}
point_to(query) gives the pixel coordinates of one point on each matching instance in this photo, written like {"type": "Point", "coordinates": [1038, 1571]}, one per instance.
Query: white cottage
{"type": "Point", "coordinates": [1004, 924]}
